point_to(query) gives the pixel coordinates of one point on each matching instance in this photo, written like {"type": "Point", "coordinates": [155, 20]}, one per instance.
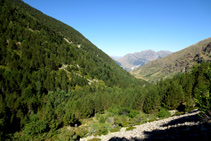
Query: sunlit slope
{"type": "Point", "coordinates": [63, 46]}
{"type": "Point", "coordinates": [180, 61]}
{"type": "Point", "coordinates": [49, 73]}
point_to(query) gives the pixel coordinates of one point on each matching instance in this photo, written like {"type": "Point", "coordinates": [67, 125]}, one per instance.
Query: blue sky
{"type": "Point", "coordinates": [119, 27]}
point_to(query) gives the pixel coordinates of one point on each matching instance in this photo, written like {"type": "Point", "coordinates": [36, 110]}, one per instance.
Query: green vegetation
{"type": "Point", "coordinates": [95, 139]}
{"type": "Point", "coordinates": [52, 76]}
{"type": "Point", "coordinates": [163, 113]}
{"type": "Point", "coordinates": [130, 128]}
{"type": "Point", "coordinates": [57, 85]}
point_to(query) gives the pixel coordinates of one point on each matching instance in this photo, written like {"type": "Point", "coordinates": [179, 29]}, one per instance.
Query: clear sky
{"type": "Point", "coordinates": [119, 27]}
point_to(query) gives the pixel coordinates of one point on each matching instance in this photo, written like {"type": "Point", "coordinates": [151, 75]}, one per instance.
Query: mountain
{"type": "Point", "coordinates": [138, 59]}
{"type": "Point", "coordinates": [55, 42]}
{"type": "Point", "coordinates": [56, 85]}
{"type": "Point", "coordinates": [51, 75]}
{"type": "Point", "coordinates": [180, 61]}
{"type": "Point", "coordinates": [115, 57]}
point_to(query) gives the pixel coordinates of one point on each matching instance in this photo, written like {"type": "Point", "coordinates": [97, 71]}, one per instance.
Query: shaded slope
{"type": "Point", "coordinates": [180, 61]}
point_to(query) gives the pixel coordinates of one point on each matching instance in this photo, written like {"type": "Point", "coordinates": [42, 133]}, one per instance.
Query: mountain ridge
{"type": "Point", "coordinates": [134, 60]}
{"type": "Point", "coordinates": [181, 61]}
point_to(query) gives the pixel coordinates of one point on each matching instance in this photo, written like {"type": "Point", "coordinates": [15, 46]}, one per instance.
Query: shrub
{"type": "Point", "coordinates": [34, 128]}
{"type": "Point", "coordinates": [115, 129]}
{"type": "Point", "coordinates": [81, 132]}
{"type": "Point", "coordinates": [65, 134]}
{"type": "Point", "coordinates": [102, 119]}
{"type": "Point", "coordinates": [134, 113]}
{"type": "Point", "coordinates": [114, 110]}
{"type": "Point", "coordinates": [101, 130]}
{"type": "Point", "coordinates": [203, 99]}
{"type": "Point", "coordinates": [122, 121]}
{"type": "Point", "coordinates": [189, 105]}
{"type": "Point", "coordinates": [97, 116]}
{"type": "Point", "coordinates": [124, 111]}
{"type": "Point", "coordinates": [163, 113]}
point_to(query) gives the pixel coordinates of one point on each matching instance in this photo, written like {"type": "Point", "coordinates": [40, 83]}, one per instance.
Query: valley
{"type": "Point", "coordinates": [57, 85]}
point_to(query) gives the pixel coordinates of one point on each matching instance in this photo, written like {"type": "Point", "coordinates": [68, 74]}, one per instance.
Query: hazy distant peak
{"type": "Point", "coordinates": [131, 61]}
{"type": "Point", "coordinates": [116, 57]}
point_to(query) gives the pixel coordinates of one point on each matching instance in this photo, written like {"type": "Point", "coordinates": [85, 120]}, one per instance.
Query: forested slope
{"type": "Point", "coordinates": [51, 75]}
{"type": "Point", "coordinates": [53, 79]}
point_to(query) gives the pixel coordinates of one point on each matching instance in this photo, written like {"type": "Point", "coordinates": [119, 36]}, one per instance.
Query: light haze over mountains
{"type": "Point", "coordinates": [134, 60]}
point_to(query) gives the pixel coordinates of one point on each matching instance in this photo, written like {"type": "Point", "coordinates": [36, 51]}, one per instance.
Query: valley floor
{"type": "Point", "coordinates": [183, 127]}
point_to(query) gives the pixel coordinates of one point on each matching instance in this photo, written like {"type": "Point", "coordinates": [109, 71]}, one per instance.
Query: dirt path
{"type": "Point", "coordinates": [186, 126]}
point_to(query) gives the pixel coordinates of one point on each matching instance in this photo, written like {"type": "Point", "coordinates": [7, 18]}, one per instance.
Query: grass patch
{"type": "Point", "coordinates": [130, 128]}
{"type": "Point", "coordinates": [178, 113]}
{"type": "Point", "coordinates": [115, 129]}
{"type": "Point", "coordinates": [95, 139]}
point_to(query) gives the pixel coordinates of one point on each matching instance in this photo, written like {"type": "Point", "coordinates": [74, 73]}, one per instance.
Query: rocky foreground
{"type": "Point", "coordinates": [188, 126]}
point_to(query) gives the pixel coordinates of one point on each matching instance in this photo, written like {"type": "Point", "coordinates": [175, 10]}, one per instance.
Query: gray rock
{"type": "Point", "coordinates": [110, 120]}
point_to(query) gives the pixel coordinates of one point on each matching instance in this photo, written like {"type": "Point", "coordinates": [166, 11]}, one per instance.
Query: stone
{"type": "Point", "coordinates": [140, 130]}
{"type": "Point", "coordinates": [110, 120]}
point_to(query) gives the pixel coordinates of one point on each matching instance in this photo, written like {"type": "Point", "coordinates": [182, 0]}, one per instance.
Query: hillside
{"type": "Point", "coordinates": [56, 85]}
{"type": "Point", "coordinates": [51, 75]}
{"type": "Point", "coordinates": [56, 40]}
{"type": "Point", "coordinates": [180, 61]}
{"type": "Point", "coordinates": [138, 59]}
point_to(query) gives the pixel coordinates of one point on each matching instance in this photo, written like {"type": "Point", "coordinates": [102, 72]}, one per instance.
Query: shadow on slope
{"type": "Point", "coordinates": [183, 120]}
{"type": "Point", "coordinates": [177, 129]}
{"type": "Point", "coordinates": [124, 139]}
{"type": "Point", "coordinates": [194, 132]}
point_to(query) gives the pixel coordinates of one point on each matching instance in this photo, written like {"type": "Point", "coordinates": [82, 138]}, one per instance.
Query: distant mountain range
{"type": "Point", "coordinates": [181, 61]}
{"type": "Point", "coordinates": [138, 59]}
